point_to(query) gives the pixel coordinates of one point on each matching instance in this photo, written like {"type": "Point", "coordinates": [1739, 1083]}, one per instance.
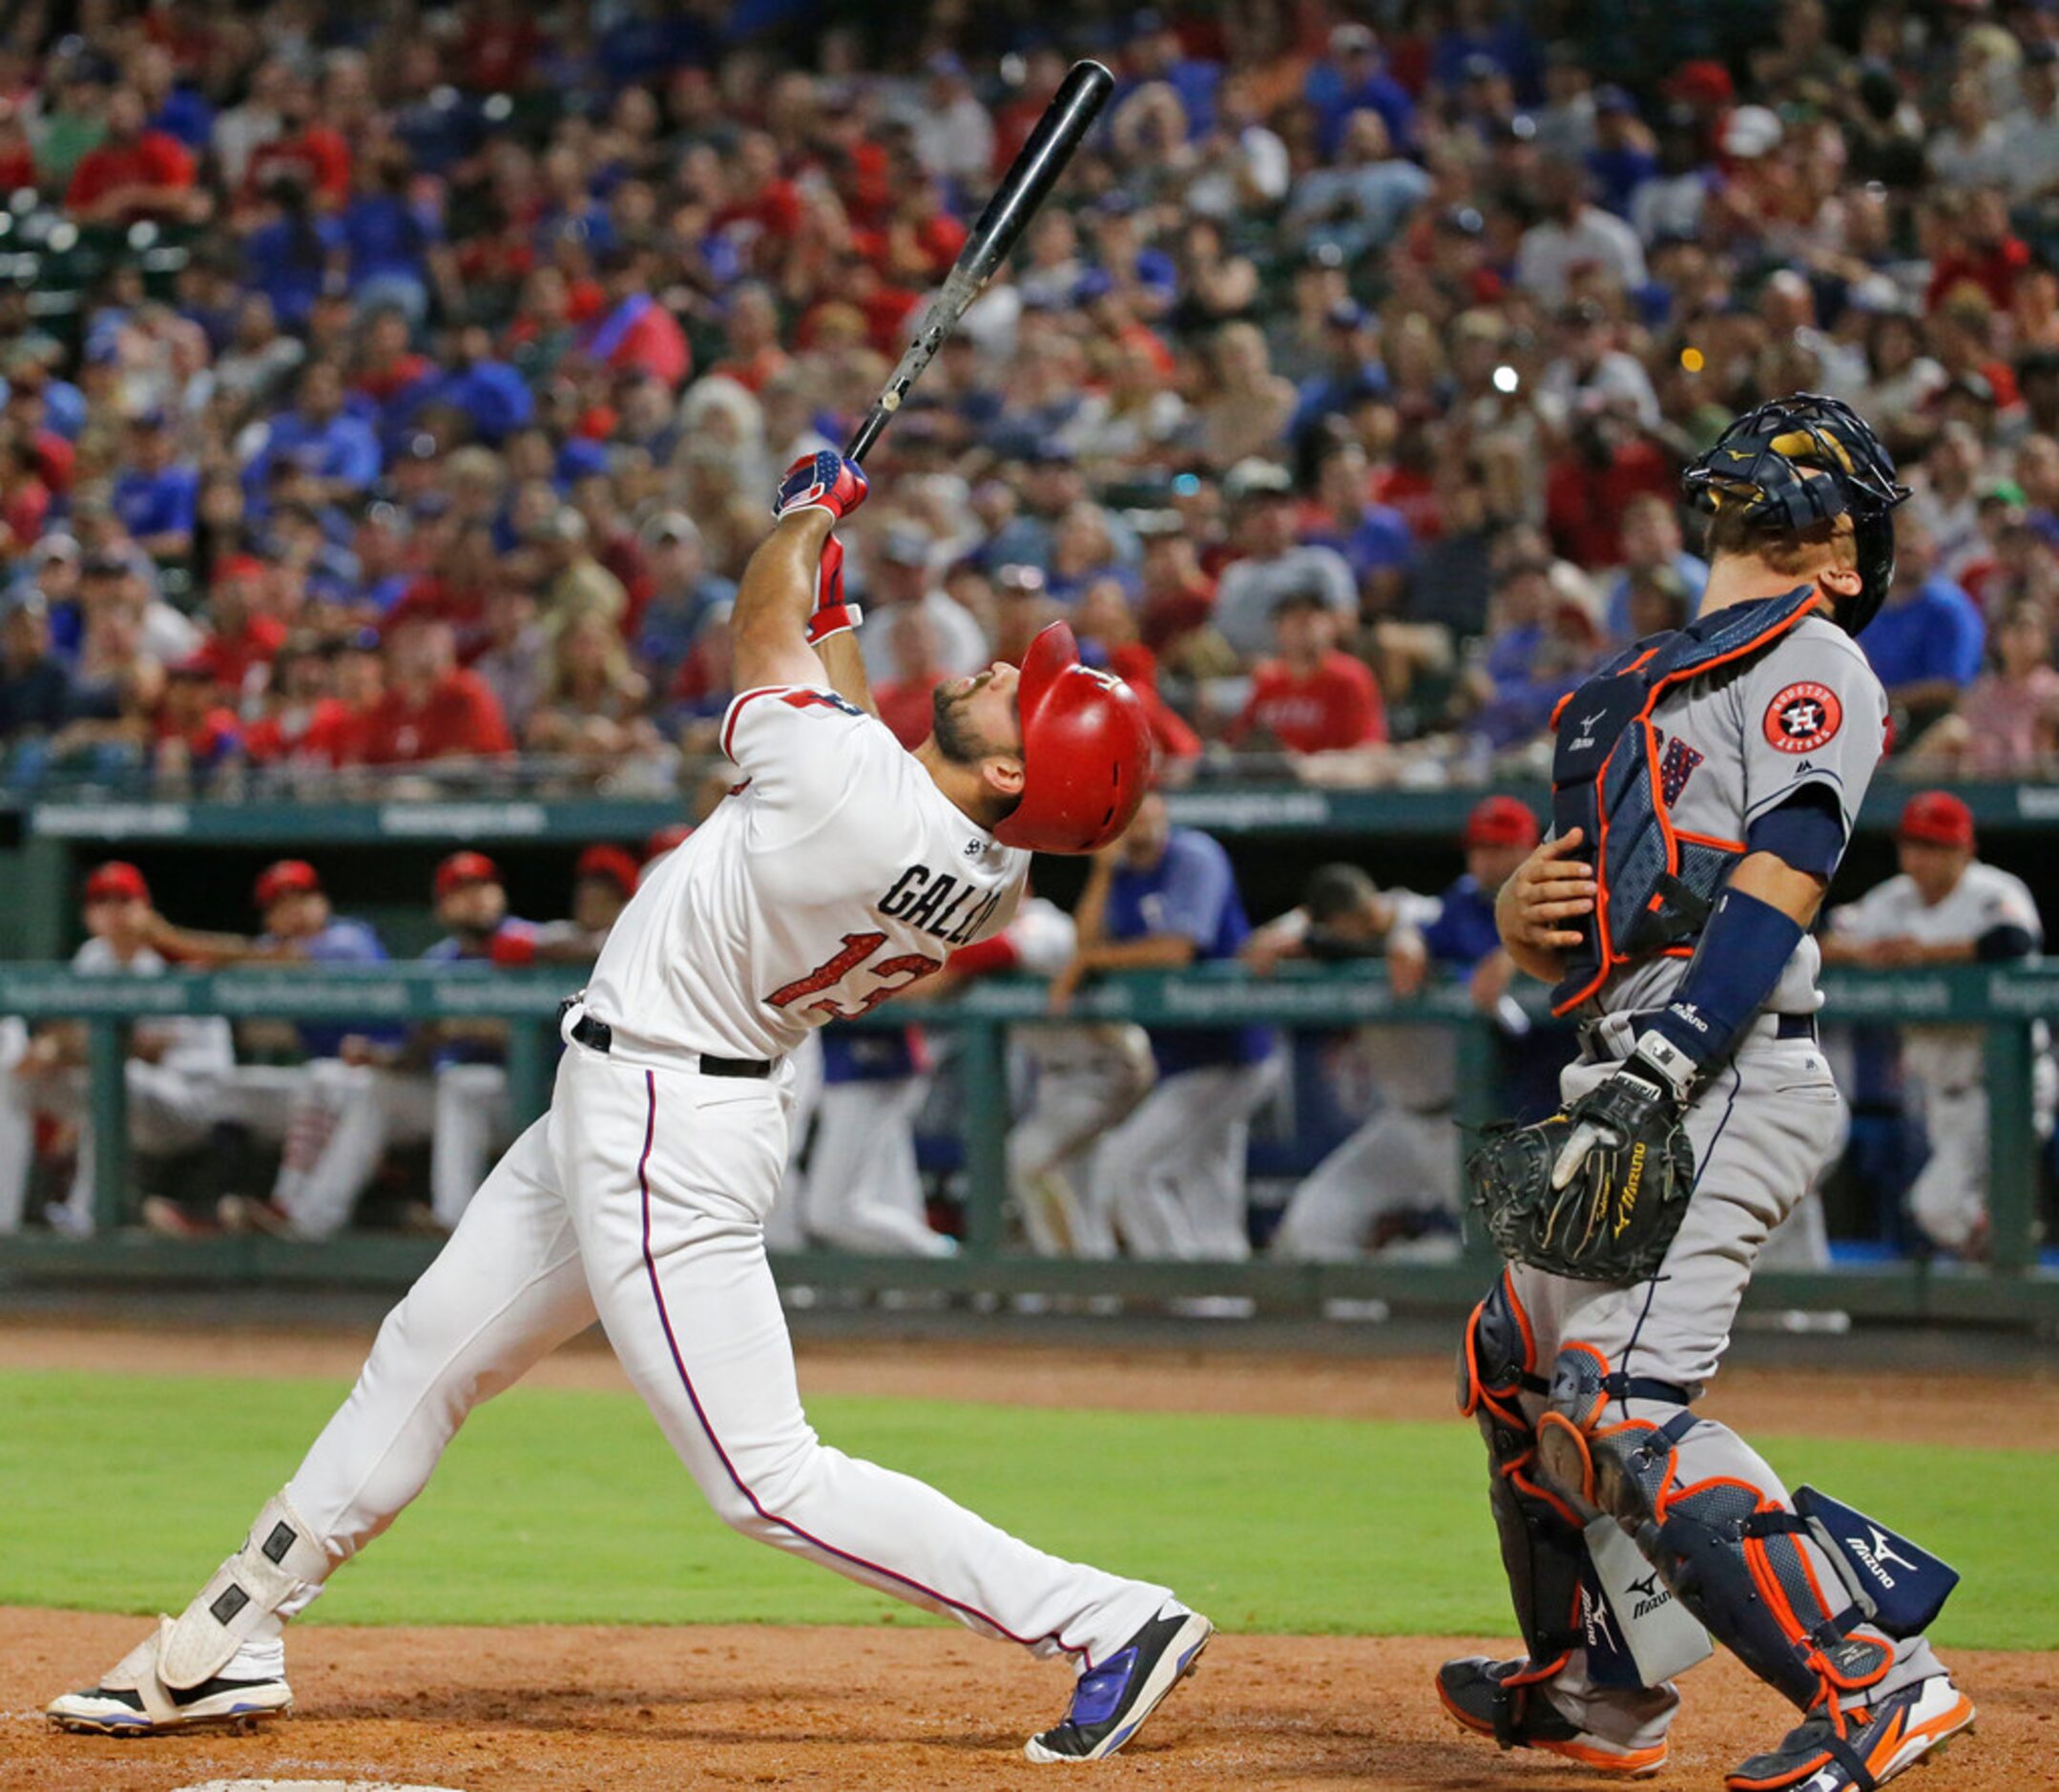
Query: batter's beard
{"type": "Point", "coordinates": [955, 740]}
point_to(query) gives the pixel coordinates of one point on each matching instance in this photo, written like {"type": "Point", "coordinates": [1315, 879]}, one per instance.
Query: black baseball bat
{"type": "Point", "coordinates": [1030, 176]}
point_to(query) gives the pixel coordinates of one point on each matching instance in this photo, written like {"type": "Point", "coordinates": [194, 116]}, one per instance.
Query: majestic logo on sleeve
{"type": "Point", "coordinates": [1802, 718]}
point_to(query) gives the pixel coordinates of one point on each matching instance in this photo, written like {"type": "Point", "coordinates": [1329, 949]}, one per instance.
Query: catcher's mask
{"type": "Point", "coordinates": [1764, 462]}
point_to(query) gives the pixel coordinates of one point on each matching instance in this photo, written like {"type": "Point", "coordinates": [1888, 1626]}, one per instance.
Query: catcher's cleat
{"type": "Point", "coordinates": [1111, 1701]}
{"type": "Point", "coordinates": [132, 1700]}
{"type": "Point", "coordinates": [1475, 1692]}
{"type": "Point", "coordinates": [1856, 1749]}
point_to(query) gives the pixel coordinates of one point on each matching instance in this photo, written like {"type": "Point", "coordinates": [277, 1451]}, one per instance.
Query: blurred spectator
{"type": "Point", "coordinates": [1456, 276]}
{"type": "Point", "coordinates": [2006, 724]}
{"type": "Point", "coordinates": [1274, 561]}
{"type": "Point", "coordinates": [1650, 544]}
{"type": "Point", "coordinates": [906, 701]}
{"type": "Point", "coordinates": [1352, 79]}
{"type": "Point", "coordinates": [136, 171]}
{"type": "Point", "coordinates": [1360, 203]}
{"type": "Point", "coordinates": [157, 495]}
{"type": "Point", "coordinates": [1403, 1164]}
{"type": "Point", "coordinates": [1945, 907]}
{"type": "Point", "coordinates": [1575, 235]}
{"type": "Point", "coordinates": [431, 708]}
{"type": "Point", "coordinates": [176, 1070]}
{"type": "Point", "coordinates": [1925, 643]}
{"type": "Point", "coordinates": [1311, 697]}
{"type": "Point", "coordinates": [36, 692]}
{"type": "Point", "coordinates": [1171, 1178]}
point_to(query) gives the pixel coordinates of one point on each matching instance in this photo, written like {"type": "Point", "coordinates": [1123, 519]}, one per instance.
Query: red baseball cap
{"type": "Point", "coordinates": [612, 862]}
{"type": "Point", "coordinates": [288, 877]}
{"type": "Point", "coordinates": [239, 565]}
{"type": "Point", "coordinates": [462, 868]}
{"type": "Point", "coordinates": [1936, 818]}
{"type": "Point", "coordinates": [117, 880]}
{"type": "Point", "coordinates": [1501, 822]}
{"type": "Point", "coordinates": [667, 840]}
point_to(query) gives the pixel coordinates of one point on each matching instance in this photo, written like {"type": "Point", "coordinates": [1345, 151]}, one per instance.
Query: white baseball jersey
{"type": "Point", "coordinates": [1986, 897]}
{"type": "Point", "coordinates": [835, 875]}
{"type": "Point", "coordinates": [194, 1045]}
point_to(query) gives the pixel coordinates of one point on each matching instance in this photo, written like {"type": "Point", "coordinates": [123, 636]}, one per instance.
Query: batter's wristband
{"type": "Point", "coordinates": [832, 620]}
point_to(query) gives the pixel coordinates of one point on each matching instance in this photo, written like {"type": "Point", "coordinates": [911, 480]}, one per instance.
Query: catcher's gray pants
{"type": "Point", "coordinates": [1762, 1127]}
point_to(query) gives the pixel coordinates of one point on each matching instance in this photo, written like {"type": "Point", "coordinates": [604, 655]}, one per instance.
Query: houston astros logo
{"type": "Point", "coordinates": [1802, 718]}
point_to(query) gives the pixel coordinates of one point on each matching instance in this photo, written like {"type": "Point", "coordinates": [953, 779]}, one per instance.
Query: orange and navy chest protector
{"type": "Point", "coordinates": [1655, 884]}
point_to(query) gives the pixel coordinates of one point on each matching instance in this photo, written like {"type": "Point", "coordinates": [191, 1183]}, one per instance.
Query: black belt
{"type": "Point", "coordinates": [596, 1035]}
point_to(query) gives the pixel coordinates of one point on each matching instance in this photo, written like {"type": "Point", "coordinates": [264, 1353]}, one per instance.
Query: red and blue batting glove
{"type": "Point", "coordinates": [823, 481]}
{"type": "Point", "coordinates": [832, 615]}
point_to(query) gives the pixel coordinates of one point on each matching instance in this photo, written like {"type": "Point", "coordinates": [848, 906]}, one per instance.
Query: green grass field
{"type": "Point", "coordinates": [121, 1493]}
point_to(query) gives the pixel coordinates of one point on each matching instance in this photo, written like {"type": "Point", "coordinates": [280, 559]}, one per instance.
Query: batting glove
{"type": "Point", "coordinates": [823, 481]}
{"type": "Point", "coordinates": [832, 615]}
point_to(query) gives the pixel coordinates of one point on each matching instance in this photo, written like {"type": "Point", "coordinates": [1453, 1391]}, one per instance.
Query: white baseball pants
{"type": "Point", "coordinates": [863, 1191]}
{"type": "Point", "coordinates": [641, 1197]}
{"type": "Point", "coordinates": [342, 1120]}
{"type": "Point", "coordinates": [474, 1120]}
{"type": "Point", "coordinates": [1085, 1080]}
{"type": "Point", "coordinates": [1948, 1199]}
{"type": "Point", "coordinates": [1398, 1160]}
{"type": "Point", "coordinates": [169, 1110]}
{"type": "Point", "coordinates": [1172, 1176]}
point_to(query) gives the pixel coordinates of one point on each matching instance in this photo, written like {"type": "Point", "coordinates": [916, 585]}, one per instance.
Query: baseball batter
{"type": "Point", "coordinates": [844, 870]}
{"type": "Point", "coordinates": [1945, 907]}
{"type": "Point", "coordinates": [1718, 770]}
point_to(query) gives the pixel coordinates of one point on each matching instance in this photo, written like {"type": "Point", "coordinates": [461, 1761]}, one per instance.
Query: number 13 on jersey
{"type": "Point", "coordinates": [908, 968]}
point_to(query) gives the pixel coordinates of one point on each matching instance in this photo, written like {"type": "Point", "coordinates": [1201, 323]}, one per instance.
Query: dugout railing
{"type": "Point", "coordinates": [2004, 1001]}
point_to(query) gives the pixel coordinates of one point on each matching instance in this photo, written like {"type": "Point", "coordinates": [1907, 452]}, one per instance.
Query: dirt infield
{"type": "Point", "coordinates": [563, 1708]}
{"type": "Point", "coordinates": [531, 1710]}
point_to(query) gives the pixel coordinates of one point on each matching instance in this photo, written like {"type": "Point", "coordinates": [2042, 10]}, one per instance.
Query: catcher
{"type": "Point", "coordinates": [1720, 767]}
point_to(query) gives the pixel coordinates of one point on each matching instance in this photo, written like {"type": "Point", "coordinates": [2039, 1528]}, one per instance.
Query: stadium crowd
{"type": "Point", "coordinates": [393, 394]}
{"type": "Point", "coordinates": [399, 387]}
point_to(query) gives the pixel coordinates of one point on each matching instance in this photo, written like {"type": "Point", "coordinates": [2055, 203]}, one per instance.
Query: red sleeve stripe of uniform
{"type": "Point", "coordinates": [736, 709]}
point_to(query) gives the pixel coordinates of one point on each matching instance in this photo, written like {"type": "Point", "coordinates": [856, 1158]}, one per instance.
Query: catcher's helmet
{"type": "Point", "coordinates": [1765, 461]}
{"type": "Point", "coordinates": [1086, 752]}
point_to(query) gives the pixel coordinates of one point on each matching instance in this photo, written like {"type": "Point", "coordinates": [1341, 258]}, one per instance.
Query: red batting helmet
{"type": "Point", "coordinates": [1936, 818]}
{"type": "Point", "coordinates": [1087, 753]}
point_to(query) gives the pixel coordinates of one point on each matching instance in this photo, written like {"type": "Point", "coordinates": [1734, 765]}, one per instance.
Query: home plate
{"type": "Point", "coordinates": [307, 1785]}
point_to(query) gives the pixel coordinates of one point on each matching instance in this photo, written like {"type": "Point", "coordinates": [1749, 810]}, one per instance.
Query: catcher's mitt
{"type": "Point", "coordinates": [1612, 1221]}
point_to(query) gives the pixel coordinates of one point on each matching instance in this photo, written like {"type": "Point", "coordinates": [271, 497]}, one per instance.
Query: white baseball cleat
{"type": "Point", "coordinates": [132, 1700]}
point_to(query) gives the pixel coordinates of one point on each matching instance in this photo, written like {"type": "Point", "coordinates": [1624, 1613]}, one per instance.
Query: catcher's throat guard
{"type": "Point", "coordinates": [1655, 884]}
